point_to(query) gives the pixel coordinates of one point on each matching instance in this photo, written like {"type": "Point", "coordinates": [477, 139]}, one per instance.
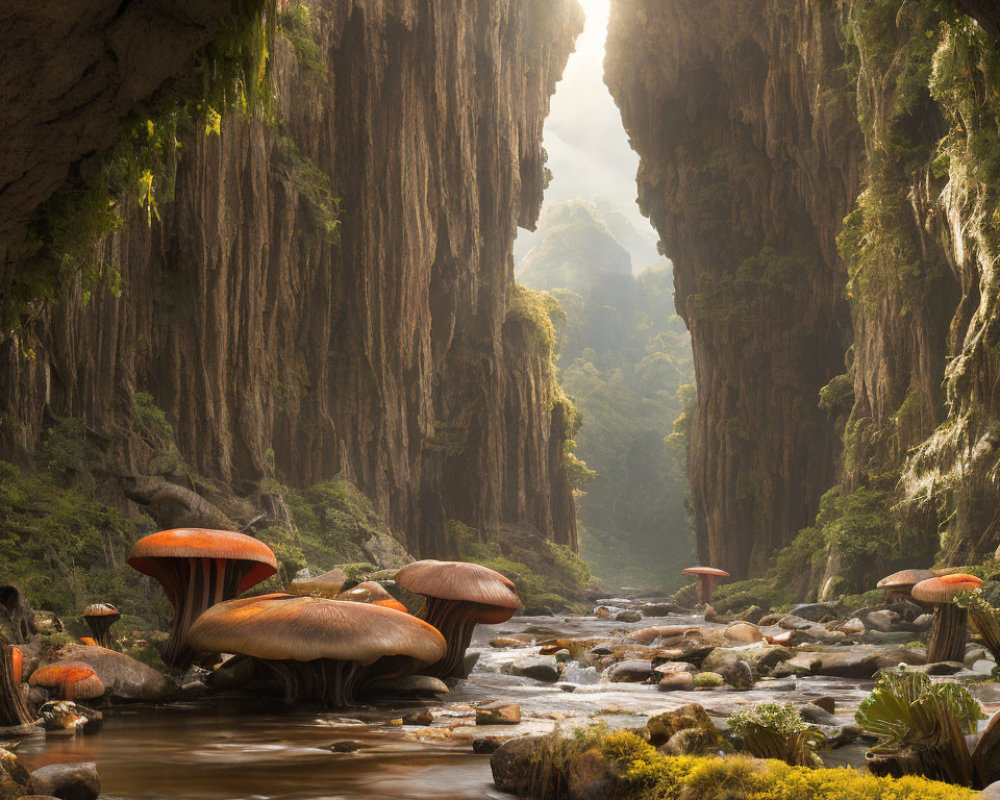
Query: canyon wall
{"type": "Point", "coordinates": [822, 176]}
{"type": "Point", "coordinates": [327, 293]}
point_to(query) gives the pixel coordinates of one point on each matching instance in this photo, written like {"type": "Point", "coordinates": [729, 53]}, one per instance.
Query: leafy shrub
{"type": "Point", "coordinates": [773, 730]}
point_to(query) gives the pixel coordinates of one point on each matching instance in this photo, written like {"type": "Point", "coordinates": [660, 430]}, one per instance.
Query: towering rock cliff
{"type": "Point", "coordinates": [327, 292]}
{"type": "Point", "coordinates": [823, 177]}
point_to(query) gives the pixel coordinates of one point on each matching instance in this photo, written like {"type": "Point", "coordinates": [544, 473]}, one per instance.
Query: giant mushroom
{"type": "Point", "coordinates": [320, 649]}
{"type": "Point", "coordinates": [706, 577]}
{"type": "Point", "coordinates": [459, 596]}
{"type": "Point", "coordinates": [99, 618]}
{"type": "Point", "coordinates": [900, 584]}
{"type": "Point", "coordinates": [948, 633]}
{"type": "Point", "coordinates": [197, 569]}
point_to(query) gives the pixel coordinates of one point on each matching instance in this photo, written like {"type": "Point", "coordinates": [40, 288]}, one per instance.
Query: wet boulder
{"type": "Point", "coordinates": [633, 670]}
{"type": "Point", "coordinates": [538, 668]}
{"type": "Point", "coordinates": [498, 713]}
{"type": "Point", "coordinates": [743, 633]}
{"type": "Point", "coordinates": [124, 678]}
{"type": "Point", "coordinates": [815, 612]}
{"type": "Point", "coordinates": [662, 727]}
{"type": "Point", "coordinates": [676, 682]}
{"type": "Point", "coordinates": [628, 616]}
{"type": "Point", "coordinates": [859, 663]}
{"type": "Point", "coordinates": [68, 781]}
{"type": "Point", "coordinates": [14, 778]}
{"type": "Point", "coordinates": [658, 609]}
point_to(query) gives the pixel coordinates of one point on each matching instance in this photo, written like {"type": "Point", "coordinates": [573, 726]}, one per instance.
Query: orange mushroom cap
{"type": "Point", "coordinates": [17, 662]}
{"type": "Point", "coordinates": [89, 640]}
{"type": "Point", "coordinates": [943, 588]}
{"type": "Point", "coordinates": [392, 603]}
{"type": "Point", "coordinates": [717, 573]}
{"type": "Point", "coordinates": [287, 627]}
{"type": "Point", "coordinates": [464, 582]}
{"type": "Point", "coordinates": [72, 679]}
{"type": "Point", "coordinates": [148, 552]}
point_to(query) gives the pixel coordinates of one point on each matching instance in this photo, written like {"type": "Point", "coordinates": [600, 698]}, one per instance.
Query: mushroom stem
{"type": "Point", "coordinates": [209, 581]}
{"type": "Point", "coordinates": [332, 683]}
{"type": "Point", "coordinates": [947, 639]}
{"type": "Point", "coordinates": [101, 628]}
{"type": "Point", "coordinates": [13, 707]}
{"type": "Point", "coordinates": [705, 588]}
{"type": "Point", "coordinates": [457, 622]}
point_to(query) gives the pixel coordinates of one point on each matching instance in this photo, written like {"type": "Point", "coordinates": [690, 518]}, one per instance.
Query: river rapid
{"type": "Point", "coordinates": [228, 748]}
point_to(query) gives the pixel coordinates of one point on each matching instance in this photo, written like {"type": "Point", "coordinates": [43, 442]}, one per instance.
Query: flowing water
{"type": "Point", "coordinates": [227, 749]}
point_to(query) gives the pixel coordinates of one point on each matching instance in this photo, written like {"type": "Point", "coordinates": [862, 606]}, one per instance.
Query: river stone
{"type": "Point", "coordinates": [124, 678]}
{"type": "Point", "coordinates": [498, 713]}
{"type": "Point", "coordinates": [743, 633]}
{"type": "Point", "coordinates": [635, 670]}
{"type": "Point", "coordinates": [815, 612]}
{"type": "Point", "coordinates": [708, 680]}
{"type": "Point", "coordinates": [752, 614]}
{"type": "Point", "coordinates": [511, 764]}
{"type": "Point", "coordinates": [991, 792]}
{"type": "Point", "coordinates": [658, 609]}
{"type": "Point", "coordinates": [661, 727]}
{"type": "Point", "coordinates": [628, 616]}
{"type": "Point", "coordinates": [827, 703]}
{"type": "Point", "coordinates": [539, 668]}
{"type": "Point", "coordinates": [941, 667]}
{"type": "Point", "coordinates": [486, 745]}
{"type": "Point", "coordinates": [508, 641]}
{"type": "Point", "coordinates": [68, 781]}
{"type": "Point", "coordinates": [857, 663]}
{"type": "Point", "coordinates": [676, 682]}
{"type": "Point", "coordinates": [853, 627]}
{"type": "Point", "coordinates": [882, 620]}
{"type": "Point", "coordinates": [666, 667]}
{"type": "Point", "coordinates": [422, 718]}
{"type": "Point", "coordinates": [14, 778]}
{"type": "Point", "coordinates": [811, 712]}
{"type": "Point", "coordinates": [693, 742]}
{"type": "Point", "coordinates": [410, 686]}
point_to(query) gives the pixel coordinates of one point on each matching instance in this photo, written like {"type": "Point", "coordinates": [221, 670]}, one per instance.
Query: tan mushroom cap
{"type": "Point", "coordinates": [74, 680]}
{"type": "Point", "coordinates": [717, 573]}
{"type": "Point", "coordinates": [459, 580]}
{"type": "Point", "coordinates": [282, 627]}
{"type": "Point", "coordinates": [365, 592]}
{"type": "Point", "coordinates": [905, 578]}
{"type": "Point", "coordinates": [942, 589]}
{"type": "Point", "coordinates": [101, 610]}
{"type": "Point", "coordinates": [204, 543]}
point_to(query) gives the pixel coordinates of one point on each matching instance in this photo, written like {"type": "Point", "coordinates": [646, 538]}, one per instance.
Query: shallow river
{"type": "Point", "coordinates": [217, 750]}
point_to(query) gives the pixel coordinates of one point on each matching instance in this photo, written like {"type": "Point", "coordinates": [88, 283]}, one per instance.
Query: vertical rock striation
{"type": "Point", "coordinates": [743, 126]}
{"type": "Point", "coordinates": [824, 177]}
{"type": "Point", "coordinates": [279, 354]}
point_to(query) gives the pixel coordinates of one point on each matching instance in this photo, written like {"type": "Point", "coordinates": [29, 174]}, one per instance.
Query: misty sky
{"type": "Point", "coordinates": [588, 150]}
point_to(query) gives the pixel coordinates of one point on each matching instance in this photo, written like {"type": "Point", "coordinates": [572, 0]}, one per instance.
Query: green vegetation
{"type": "Point", "coordinates": [776, 730]}
{"type": "Point", "coordinates": [330, 522]}
{"type": "Point", "coordinates": [296, 24]}
{"type": "Point", "coordinates": [313, 186]}
{"type": "Point", "coordinates": [635, 770]}
{"type": "Point", "coordinates": [68, 236]}
{"type": "Point", "coordinates": [625, 358]}
{"type": "Point", "coordinates": [64, 549]}
{"type": "Point", "coordinates": [922, 725]}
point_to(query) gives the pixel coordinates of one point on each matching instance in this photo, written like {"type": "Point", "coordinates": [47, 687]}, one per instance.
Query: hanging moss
{"type": "Point", "coordinates": [69, 231]}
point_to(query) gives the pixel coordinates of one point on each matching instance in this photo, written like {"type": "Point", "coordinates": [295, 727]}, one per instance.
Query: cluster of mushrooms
{"type": "Point", "coordinates": [323, 644]}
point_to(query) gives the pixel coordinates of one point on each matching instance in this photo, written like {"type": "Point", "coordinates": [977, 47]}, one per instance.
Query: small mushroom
{"type": "Point", "coordinates": [99, 618]}
{"type": "Point", "coordinates": [68, 680]}
{"type": "Point", "coordinates": [374, 593]}
{"type": "Point", "coordinates": [898, 585]}
{"type": "Point", "coordinates": [706, 577]}
{"type": "Point", "coordinates": [320, 649]}
{"type": "Point", "coordinates": [90, 641]}
{"type": "Point", "coordinates": [198, 568]}
{"type": "Point", "coordinates": [948, 633]}
{"type": "Point", "coordinates": [459, 596]}
{"type": "Point", "coordinates": [17, 663]}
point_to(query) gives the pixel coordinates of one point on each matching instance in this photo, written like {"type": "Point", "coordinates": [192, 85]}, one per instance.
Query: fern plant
{"type": "Point", "coordinates": [922, 726]}
{"type": "Point", "coordinates": [773, 730]}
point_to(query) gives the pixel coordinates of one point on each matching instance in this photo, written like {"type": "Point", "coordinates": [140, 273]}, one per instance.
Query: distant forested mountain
{"type": "Point", "coordinates": [625, 357]}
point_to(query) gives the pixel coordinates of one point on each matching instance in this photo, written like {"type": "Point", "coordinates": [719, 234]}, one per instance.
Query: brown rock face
{"type": "Point", "coordinates": [388, 357]}
{"type": "Point", "coordinates": [69, 72]}
{"type": "Point", "coordinates": [822, 178]}
{"type": "Point", "coordinates": [745, 135]}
